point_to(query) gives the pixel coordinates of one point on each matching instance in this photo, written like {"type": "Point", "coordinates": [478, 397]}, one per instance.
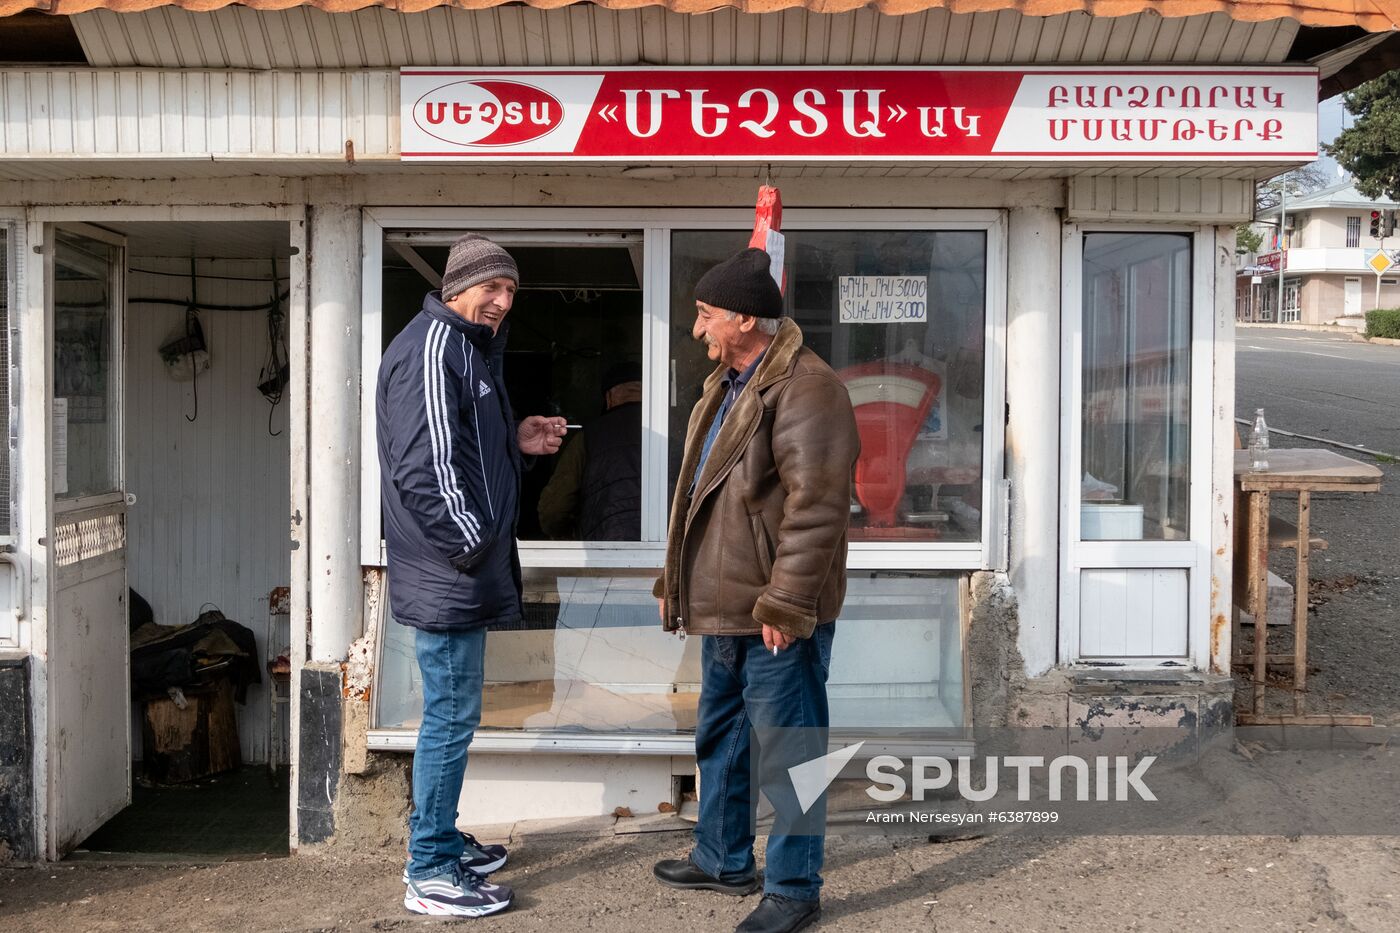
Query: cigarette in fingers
{"type": "Point", "coordinates": [775, 651]}
{"type": "Point", "coordinates": [574, 427]}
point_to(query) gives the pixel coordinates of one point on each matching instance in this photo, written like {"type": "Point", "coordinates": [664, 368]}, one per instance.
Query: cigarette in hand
{"type": "Point", "coordinates": [574, 427]}
{"type": "Point", "coordinates": [775, 651]}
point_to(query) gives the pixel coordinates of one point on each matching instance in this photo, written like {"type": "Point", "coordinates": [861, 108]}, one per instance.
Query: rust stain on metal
{"type": "Point", "coordinates": [279, 602]}
{"type": "Point", "coordinates": [1219, 625]}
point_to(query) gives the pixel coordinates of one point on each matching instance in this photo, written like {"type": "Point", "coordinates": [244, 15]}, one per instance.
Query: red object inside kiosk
{"type": "Point", "coordinates": [891, 401]}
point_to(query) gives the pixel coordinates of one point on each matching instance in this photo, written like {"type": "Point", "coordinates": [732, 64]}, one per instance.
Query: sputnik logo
{"type": "Point", "coordinates": [811, 778]}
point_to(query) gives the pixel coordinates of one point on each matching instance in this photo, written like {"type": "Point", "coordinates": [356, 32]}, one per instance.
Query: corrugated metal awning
{"type": "Point", "coordinates": [1371, 15]}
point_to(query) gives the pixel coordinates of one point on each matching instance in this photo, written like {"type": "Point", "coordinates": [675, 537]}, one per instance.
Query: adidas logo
{"type": "Point", "coordinates": [482, 389]}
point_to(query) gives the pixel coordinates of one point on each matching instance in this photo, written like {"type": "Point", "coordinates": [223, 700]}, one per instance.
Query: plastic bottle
{"type": "Point", "coordinates": [1259, 442]}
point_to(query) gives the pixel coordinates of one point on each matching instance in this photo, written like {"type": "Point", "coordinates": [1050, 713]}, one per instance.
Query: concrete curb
{"type": "Point", "coordinates": [1320, 328]}
{"type": "Point", "coordinates": [1383, 341]}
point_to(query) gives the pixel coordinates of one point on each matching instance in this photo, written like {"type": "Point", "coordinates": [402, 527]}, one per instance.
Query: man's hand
{"type": "Point", "coordinates": [540, 436]}
{"type": "Point", "coordinates": [772, 638]}
{"type": "Point", "coordinates": [661, 608]}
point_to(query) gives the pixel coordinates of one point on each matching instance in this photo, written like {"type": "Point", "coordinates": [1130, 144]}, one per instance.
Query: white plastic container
{"type": "Point", "coordinates": [1105, 521]}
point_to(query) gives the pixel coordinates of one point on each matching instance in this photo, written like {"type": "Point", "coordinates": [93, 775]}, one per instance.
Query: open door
{"type": "Point", "coordinates": [89, 688]}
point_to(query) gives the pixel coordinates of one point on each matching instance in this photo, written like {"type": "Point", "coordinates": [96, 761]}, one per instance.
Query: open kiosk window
{"type": "Point", "coordinates": [575, 351]}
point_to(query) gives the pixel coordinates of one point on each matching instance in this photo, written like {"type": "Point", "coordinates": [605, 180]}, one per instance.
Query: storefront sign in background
{"type": "Point", "coordinates": [971, 114]}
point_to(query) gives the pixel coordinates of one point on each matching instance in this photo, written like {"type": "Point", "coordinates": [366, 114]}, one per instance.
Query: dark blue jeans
{"type": "Point", "coordinates": [743, 685]}
{"type": "Point", "coordinates": [452, 664]}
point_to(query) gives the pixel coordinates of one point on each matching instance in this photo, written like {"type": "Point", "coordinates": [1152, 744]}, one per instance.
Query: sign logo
{"type": "Point", "coordinates": [487, 113]}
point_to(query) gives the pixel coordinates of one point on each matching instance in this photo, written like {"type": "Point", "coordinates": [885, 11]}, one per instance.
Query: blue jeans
{"type": "Point", "coordinates": [743, 684]}
{"type": "Point", "coordinates": [452, 664]}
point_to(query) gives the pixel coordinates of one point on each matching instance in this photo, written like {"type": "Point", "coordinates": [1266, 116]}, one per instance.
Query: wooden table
{"type": "Point", "coordinates": [1303, 472]}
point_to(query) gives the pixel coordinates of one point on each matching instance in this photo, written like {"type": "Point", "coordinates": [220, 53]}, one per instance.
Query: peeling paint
{"type": "Point", "coordinates": [359, 664]}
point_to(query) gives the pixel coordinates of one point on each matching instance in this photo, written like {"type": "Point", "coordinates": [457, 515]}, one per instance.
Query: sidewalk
{"type": "Point", "coordinates": [570, 881]}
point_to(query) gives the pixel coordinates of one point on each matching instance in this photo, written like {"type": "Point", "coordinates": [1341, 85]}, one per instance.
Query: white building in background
{"type": "Point", "coordinates": [1327, 242]}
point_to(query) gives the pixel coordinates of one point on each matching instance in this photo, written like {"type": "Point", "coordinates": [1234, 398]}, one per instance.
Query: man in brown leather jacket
{"type": "Point", "coordinates": [756, 563]}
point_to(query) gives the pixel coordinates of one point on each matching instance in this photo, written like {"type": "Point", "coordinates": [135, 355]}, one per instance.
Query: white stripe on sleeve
{"type": "Point", "coordinates": [435, 403]}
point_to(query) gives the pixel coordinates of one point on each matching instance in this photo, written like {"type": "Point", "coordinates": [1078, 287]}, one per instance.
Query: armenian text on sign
{"type": "Point", "coordinates": [1000, 114]}
{"type": "Point", "coordinates": [882, 299]}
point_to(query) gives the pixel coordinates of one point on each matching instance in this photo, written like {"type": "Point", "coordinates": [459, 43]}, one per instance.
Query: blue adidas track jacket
{"type": "Point", "coordinates": [450, 474]}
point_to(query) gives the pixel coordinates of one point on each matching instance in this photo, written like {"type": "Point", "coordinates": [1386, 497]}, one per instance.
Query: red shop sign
{"type": "Point", "coordinates": [842, 114]}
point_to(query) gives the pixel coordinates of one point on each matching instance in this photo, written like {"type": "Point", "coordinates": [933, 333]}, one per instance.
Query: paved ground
{"type": "Point", "coordinates": [1308, 383]}
{"type": "Point", "coordinates": [567, 884]}
{"type": "Point", "coordinates": [1323, 384]}
{"type": "Point", "coordinates": [1327, 385]}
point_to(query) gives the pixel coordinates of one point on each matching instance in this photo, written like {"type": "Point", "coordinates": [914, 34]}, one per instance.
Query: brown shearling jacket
{"type": "Point", "coordinates": [763, 540]}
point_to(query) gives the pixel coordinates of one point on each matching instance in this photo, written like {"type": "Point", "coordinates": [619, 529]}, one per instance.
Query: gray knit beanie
{"type": "Point", "coordinates": [472, 260]}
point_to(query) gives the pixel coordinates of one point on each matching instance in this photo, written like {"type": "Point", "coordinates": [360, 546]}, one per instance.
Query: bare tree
{"type": "Point", "coordinates": [1298, 182]}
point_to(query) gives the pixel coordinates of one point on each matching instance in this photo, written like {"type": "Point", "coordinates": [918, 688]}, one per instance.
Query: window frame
{"type": "Point", "coordinates": [1292, 310]}
{"type": "Point", "coordinates": [11, 231]}
{"type": "Point", "coordinates": [1192, 554]}
{"type": "Point", "coordinates": [1353, 234]}
{"type": "Point", "coordinates": [656, 226]}
{"type": "Point", "coordinates": [65, 504]}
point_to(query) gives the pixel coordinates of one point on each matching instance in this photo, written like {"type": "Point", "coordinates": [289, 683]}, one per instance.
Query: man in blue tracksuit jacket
{"type": "Point", "coordinates": [450, 460]}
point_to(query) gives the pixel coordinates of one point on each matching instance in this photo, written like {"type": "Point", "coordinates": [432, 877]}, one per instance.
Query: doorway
{"type": "Point", "coordinates": [1351, 297]}
{"type": "Point", "coordinates": [171, 452]}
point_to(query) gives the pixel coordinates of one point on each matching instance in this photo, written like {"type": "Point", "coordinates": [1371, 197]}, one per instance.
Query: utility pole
{"type": "Point", "coordinates": [1282, 250]}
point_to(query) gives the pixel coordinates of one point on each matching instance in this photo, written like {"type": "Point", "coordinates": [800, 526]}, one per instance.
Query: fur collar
{"type": "Point", "coordinates": [742, 420]}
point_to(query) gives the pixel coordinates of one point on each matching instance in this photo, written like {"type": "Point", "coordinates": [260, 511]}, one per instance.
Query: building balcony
{"type": "Point", "coordinates": [1352, 260]}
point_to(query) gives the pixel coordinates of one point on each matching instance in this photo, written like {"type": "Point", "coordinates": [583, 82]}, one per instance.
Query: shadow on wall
{"type": "Point", "coordinates": [17, 842]}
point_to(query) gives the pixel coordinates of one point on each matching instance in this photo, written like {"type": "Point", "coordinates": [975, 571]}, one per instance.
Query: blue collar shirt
{"type": "Point", "coordinates": [733, 383]}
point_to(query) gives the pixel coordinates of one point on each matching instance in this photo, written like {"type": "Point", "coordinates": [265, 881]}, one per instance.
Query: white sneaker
{"type": "Point", "coordinates": [482, 859]}
{"type": "Point", "coordinates": [456, 892]}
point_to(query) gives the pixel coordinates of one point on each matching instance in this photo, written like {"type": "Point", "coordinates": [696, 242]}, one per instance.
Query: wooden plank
{"type": "Point", "coordinates": [1300, 608]}
{"type": "Point", "coordinates": [1283, 535]}
{"type": "Point", "coordinates": [1258, 556]}
{"type": "Point", "coordinates": [1311, 719]}
{"type": "Point", "coordinates": [1286, 486]}
{"type": "Point", "coordinates": [1302, 467]}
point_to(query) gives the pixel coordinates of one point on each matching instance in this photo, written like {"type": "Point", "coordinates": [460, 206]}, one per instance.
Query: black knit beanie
{"type": "Point", "coordinates": [472, 260]}
{"type": "Point", "coordinates": [742, 284]}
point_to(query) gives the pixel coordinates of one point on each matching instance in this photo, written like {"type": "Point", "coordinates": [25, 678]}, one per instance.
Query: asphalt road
{"type": "Point", "coordinates": [1330, 386]}
{"type": "Point", "coordinates": [1322, 384]}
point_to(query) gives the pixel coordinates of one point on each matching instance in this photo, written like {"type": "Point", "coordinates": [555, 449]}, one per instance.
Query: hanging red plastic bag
{"type": "Point", "coordinates": [767, 224]}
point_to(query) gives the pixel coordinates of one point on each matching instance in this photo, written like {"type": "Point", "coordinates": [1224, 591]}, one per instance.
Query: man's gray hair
{"type": "Point", "coordinates": [766, 325]}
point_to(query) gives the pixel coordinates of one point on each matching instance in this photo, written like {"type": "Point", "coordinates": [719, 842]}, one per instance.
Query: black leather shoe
{"type": "Point", "coordinates": [778, 914]}
{"type": "Point", "coordinates": [682, 873]}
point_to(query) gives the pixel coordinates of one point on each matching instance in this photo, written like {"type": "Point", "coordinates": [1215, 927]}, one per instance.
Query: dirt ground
{"type": "Point", "coordinates": [872, 884]}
